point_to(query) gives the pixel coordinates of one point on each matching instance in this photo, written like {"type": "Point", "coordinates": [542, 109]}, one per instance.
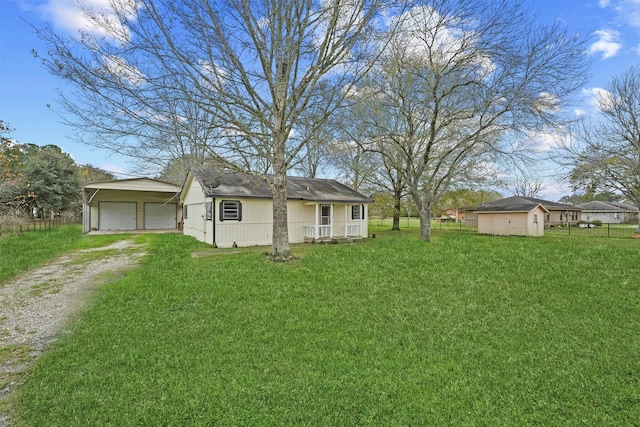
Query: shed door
{"type": "Point", "coordinates": [160, 216]}
{"type": "Point", "coordinates": [117, 216]}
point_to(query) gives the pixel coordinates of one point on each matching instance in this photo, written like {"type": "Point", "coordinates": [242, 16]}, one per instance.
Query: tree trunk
{"type": "Point", "coordinates": [638, 228]}
{"type": "Point", "coordinates": [397, 198]}
{"type": "Point", "coordinates": [280, 245]}
{"type": "Point", "coordinates": [425, 223]}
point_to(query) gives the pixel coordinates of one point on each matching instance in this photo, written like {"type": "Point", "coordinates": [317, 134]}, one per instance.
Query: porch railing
{"type": "Point", "coordinates": [353, 229]}
{"type": "Point", "coordinates": [317, 231]}
{"type": "Point", "coordinates": [320, 231]}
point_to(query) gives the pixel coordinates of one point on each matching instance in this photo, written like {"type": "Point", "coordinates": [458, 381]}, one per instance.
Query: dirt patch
{"type": "Point", "coordinates": [36, 306]}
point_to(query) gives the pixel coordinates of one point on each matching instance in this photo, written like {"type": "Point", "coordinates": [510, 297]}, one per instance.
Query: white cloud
{"type": "Point", "coordinates": [115, 169]}
{"type": "Point", "coordinates": [424, 33]}
{"type": "Point", "coordinates": [608, 43]}
{"type": "Point", "coordinates": [118, 67]}
{"type": "Point", "coordinates": [548, 102]}
{"type": "Point", "coordinates": [69, 16]}
{"type": "Point", "coordinates": [628, 11]}
{"type": "Point", "coordinates": [597, 97]}
{"type": "Point", "coordinates": [543, 142]}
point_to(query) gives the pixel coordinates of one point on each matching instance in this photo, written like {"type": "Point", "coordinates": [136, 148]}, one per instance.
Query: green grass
{"type": "Point", "coordinates": [26, 250]}
{"type": "Point", "coordinates": [21, 252]}
{"type": "Point", "coordinates": [466, 330]}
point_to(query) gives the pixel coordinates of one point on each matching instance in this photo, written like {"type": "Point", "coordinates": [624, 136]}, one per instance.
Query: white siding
{"type": "Point", "coordinates": [254, 229]}
{"type": "Point", "coordinates": [193, 224]}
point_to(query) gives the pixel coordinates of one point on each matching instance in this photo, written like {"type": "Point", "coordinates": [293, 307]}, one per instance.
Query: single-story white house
{"type": "Point", "coordinates": [227, 208]}
{"type": "Point", "coordinates": [609, 212]}
{"type": "Point", "coordinates": [130, 204]}
{"type": "Point", "coordinates": [512, 216]}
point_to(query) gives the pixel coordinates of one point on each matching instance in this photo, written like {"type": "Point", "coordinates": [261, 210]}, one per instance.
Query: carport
{"type": "Point", "coordinates": [130, 204]}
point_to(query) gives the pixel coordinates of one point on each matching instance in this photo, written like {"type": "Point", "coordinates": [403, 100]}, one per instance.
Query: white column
{"type": "Point", "coordinates": [331, 220]}
{"type": "Point", "coordinates": [315, 226]}
{"type": "Point", "coordinates": [346, 220]}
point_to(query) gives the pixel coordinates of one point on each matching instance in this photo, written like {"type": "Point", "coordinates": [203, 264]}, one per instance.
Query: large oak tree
{"type": "Point", "coordinates": [230, 78]}
{"type": "Point", "coordinates": [464, 83]}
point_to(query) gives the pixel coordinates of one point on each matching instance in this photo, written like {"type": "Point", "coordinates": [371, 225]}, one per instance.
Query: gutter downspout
{"type": "Point", "coordinates": [213, 220]}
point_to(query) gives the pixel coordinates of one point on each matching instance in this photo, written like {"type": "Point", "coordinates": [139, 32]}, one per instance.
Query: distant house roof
{"type": "Point", "coordinates": [225, 183]}
{"type": "Point", "coordinates": [598, 206]}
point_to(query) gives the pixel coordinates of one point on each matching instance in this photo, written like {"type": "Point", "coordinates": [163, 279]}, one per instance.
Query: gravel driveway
{"type": "Point", "coordinates": [36, 306]}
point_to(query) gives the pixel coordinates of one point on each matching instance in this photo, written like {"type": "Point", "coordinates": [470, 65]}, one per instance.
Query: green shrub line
{"type": "Point", "coordinates": [465, 330]}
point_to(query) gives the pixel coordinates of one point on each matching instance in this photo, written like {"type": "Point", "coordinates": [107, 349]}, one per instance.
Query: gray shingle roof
{"type": "Point", "coordinates": [509, 204]}
{"type": "Point", "coordinates": [222, 183]}
{"type": "Point", "coordinates": [523, 204]}
{"type": "Point", "coordinates": [607, 206]}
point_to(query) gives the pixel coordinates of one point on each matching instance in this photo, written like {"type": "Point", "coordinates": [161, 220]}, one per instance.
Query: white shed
{"type": "Point", "coordinates": [513, 216]}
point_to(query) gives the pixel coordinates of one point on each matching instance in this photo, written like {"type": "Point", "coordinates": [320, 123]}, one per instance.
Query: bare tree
{"type": "Point", "coordinates": [463, 83]}
{"type": "Point", "coordinates": [606, 153]}
{"type": "Point", "coordinates": [147, 68]}
{"type": "Point", "coordinates": [525, 186]}
{"type": "Point", "coordinates": [356, 157]}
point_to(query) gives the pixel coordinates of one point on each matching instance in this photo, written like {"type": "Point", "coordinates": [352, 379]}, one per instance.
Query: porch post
{"type": "Point", "coordinates": [363, 219]}
{"type": "Point", "coordinates": [315, 226]}
{"type": "Point", "coordinates": [346, 220]}
{"type": "Point", "coordinates": [331, 221]}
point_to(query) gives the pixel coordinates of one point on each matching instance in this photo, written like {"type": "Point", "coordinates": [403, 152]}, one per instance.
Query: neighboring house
{"type": "Point", "coordinates": [559, 213]}
{"type": "Point", "coordinates": [464, 214]}
{"type": "Point", "coordinates": [513, 216]}
{"type": "Point", "coordinates": [225, 209]}
{"type": "Point", "coordinates": [609, 212]}
{"type": "Point", "coordinates": [130, 204]}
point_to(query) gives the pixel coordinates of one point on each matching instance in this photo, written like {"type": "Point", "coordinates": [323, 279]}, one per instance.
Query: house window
{"type": "Point", "coordinates": [535, 218]}
{"type": "Point", "coordinates": [547, 217]}
{"type": "Point", "coordinates": [209, 207]}
{"type": "Point", "coordinates": [357, 212]}
{"type": "Point", "coordinates": [184, 212]}
{"type": "Point", "coordinates": [230, 210]}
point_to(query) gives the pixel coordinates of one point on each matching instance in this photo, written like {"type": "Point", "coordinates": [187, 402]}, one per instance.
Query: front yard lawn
{"type": "Point", "coordinates": [466, 330]}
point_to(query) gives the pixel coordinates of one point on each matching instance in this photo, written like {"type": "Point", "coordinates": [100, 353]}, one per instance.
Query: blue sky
{"type": "Point", "coordinates": [26, 88]}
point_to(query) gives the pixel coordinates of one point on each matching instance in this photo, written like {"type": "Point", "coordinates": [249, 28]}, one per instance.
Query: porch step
{"type": "Point", "coordinates": [327, 240]}
{"type": "Point", "coordinates": [340, 240]}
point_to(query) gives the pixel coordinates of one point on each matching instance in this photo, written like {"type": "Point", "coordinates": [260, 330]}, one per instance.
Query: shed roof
{"type": "Point", "coordinates": [514, 204]}
{"type": "Point", "coordinates": [135, 184]}
{"type": "Point", "coordinates": [226, 183]}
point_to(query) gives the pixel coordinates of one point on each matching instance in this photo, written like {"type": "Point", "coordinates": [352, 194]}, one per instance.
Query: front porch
{"type": "Point", "coordinates": [329, 224]}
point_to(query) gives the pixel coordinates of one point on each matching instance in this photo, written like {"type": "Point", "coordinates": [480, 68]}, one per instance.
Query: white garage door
{"type": "Point", "coordinates": [117, 216]}
{"type": "Point", "coordinates": [160, 216]}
